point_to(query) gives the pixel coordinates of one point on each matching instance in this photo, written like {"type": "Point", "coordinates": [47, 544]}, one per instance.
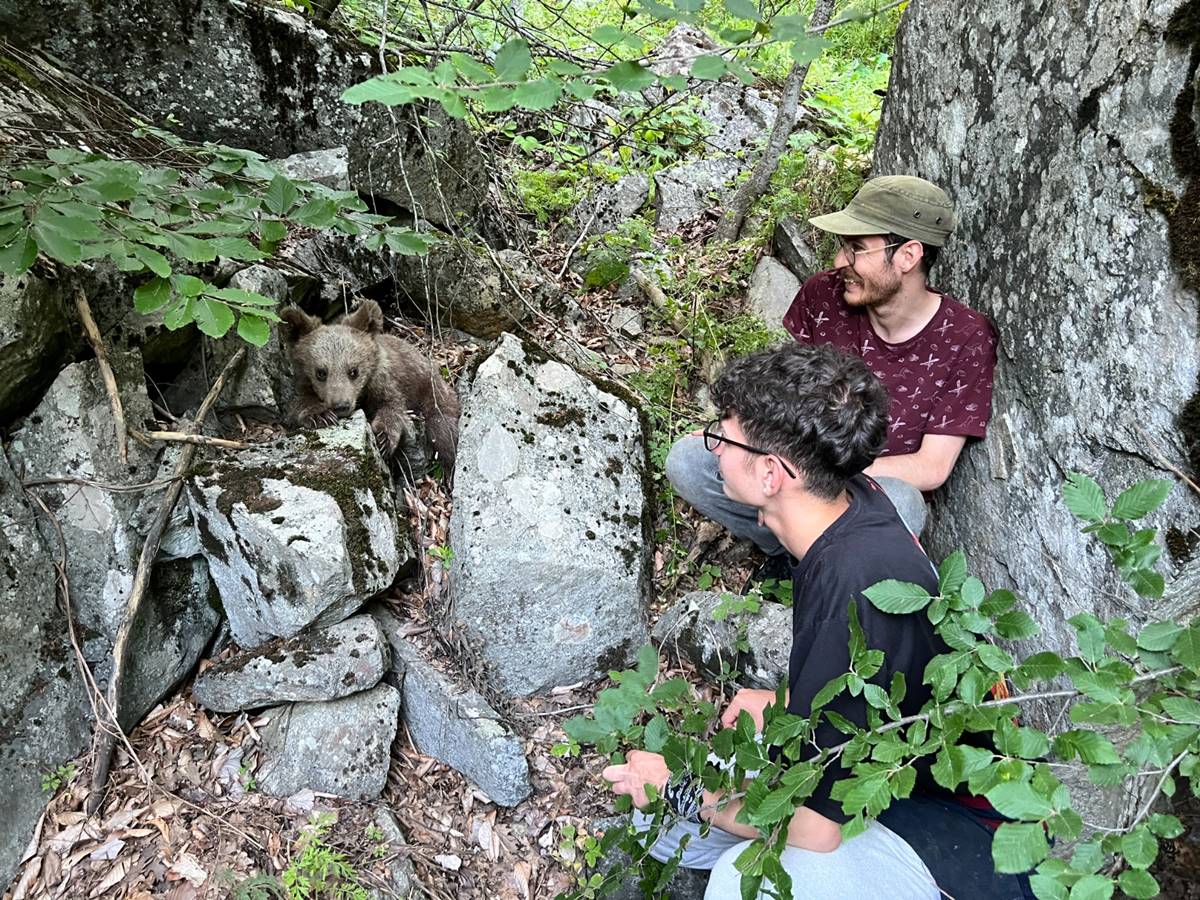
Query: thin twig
{"type": "Point", "coordinates": [710, 361]}
{"type": "Point", "coordinates": [104, 485]}
{"type": "Point", "coordinates": [579, 240]}
{"type": "Point", "coordinates": [200, 440]}
{"type": "Point", "coordinates": [141, 581]}
{"type": "Point", "coordinates": [106, 372]}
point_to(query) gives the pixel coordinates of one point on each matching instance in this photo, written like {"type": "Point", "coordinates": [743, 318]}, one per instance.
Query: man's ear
{"type": "Point", "coordinates": [909, 256]}
{"type": "Point", "coordinates": [296, 324]}
{"type": "Point", "coordinates": [368, 317]}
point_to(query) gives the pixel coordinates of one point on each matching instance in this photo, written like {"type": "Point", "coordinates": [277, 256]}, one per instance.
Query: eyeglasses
{"type": "Point", "coordinates": [851, 253]}
{"type": "Point", "coordinates": [713, 438]}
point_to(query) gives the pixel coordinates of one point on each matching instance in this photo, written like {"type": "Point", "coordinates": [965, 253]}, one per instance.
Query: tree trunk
{"type": "Point", "coordinates": [750, 190]}
{"type": "Point", "coordinates": [1065, 134]}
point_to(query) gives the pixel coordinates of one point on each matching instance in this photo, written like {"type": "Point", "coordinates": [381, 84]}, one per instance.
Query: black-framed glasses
{"type": "Point", "coordinates": [851, 253]}
{"type": "Point", "coordinates": [713, 437]}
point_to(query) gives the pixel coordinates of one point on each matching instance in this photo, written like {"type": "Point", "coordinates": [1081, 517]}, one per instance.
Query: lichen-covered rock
{"type": "Point", "coordinates": [772, 289]}
{"type": "Point", "coordinates": [790, 247]}
{"type": "Point", "coordinates": [35, 341]}
{"type": "Point", "coordinates": [550, 523]}
{"type": "Point", "coordinates": [44, 716]}
{"type": "Point", "coordinates": [325, 664]}
{"type": "Point", "coordinates": [703, 628]}
{"type": "Point", "coordinates": [457, 725]}
{"type": "Point", "coordinates": [299, 531]}
{"type": "Point", "coordinates": [683, 192]}
{"type": "Point", "coordinates": [246, 74]}
{"type": "Point", "coordinates": [612, 204]}
{"type": "Point", "coordinates": [1069, 147]}
{"type": "Point", "coordinates": [341, 747]}
{"type": "Point", "coordinates": [328, 167]}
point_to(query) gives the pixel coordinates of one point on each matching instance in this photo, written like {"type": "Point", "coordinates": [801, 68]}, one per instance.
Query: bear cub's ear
{"type": "Point", "coordinates": [368, 317]}
{"type": "Point", "coordinates": [296, 324]}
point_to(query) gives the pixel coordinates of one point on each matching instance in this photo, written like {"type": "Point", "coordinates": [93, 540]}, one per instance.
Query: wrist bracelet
{"type": "Point", "coordinates": [684, 795]}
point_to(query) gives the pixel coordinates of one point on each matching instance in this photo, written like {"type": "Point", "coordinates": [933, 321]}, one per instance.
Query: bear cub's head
{"type": "Point", "coordinates": [337, 361]}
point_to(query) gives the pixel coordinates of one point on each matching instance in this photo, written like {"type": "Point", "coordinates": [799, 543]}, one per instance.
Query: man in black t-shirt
{"type": "Point", "coordinates": [797, 426]}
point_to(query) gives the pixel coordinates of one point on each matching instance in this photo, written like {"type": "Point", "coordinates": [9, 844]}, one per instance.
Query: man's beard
{"type": "Point", "coordinates": [872, 291]}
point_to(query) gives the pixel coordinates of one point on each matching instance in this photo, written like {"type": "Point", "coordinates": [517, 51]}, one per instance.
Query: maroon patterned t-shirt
{"type": "Point", "coordinates": [940, 381]}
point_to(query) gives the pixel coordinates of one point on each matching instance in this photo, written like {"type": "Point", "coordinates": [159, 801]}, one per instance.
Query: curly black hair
{"type": "Point", "coordinates": [817, 407]}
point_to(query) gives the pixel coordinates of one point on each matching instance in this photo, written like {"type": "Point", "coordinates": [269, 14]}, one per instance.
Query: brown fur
{"type": "Point", "coordinates": [365, 368]}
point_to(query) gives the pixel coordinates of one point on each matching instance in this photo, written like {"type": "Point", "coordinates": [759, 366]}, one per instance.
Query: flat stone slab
{"type": "Point", "coordinates": [457, 726]}
{"type": "Point", "coordinates": [772, 289]}
{"type": "Point", "coordinates": [299, 531]}
{"type": "Point", "coordinates": [332, 662]}
{"type": "Point", "coordinates": [340, 747]}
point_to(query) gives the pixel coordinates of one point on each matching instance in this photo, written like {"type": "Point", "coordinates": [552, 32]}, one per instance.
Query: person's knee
{"type": "Point", "coordinates": [687, 463]}
{"type": "Point", "coordinates": [909, 503]}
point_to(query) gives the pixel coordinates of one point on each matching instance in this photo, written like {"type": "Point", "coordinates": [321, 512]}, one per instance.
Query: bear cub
{"type": "Point", "coordinates": [351, 364]}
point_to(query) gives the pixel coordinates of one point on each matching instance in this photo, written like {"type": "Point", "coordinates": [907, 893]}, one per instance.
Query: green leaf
{"type": "Point", "coordinates": [1186, 650]}
{"type": "Point", "coordinates": [212, 317]}
{"type": "Point", "coordinates": [188, 285]}
{"type": "Point", "coordinates": [496, 99]}
{"type": "Point", "coordinates": [152, 259]}
{"type": "Point", "coordinates": [18, 256]}
{"type": "Point", "coordinates": [994, 658]}
{"type": "Point", "coordinates": [1138, 884]}
{"type": "Point", "coordinates": [1018, 800]}
{"type": "Point", "coordinates": [235, 248]}
{"type": "Point", "coordinates": [1016, 625]}
{"type": "Point", "coordinates": [1182, 709]}
{"type": "Point", "coordinates": [1047, 888]}
{"type": "Point", "coordinates": [1089, 746]}
{"type": "Point", "coordinates": [55, 244]}
{"type": "Point", "coordinates": [253, 330]}
{"type": "Point", "coordinates": [1139, 847]}
{"type": "Point", "coordinates": [1141, 499]}
{"type": "Point", "coordinates": [806, 50]}
{"type": "Point", "coordinates": [317, 213]}
{"type": "Point", "coordinates": [1090, 633]}
{"type": "Point", "coordinates": [281, 195]}
{"type": "Point", "coordinates": [629, 76]}
{"type": "Point", "coordinates": [1092, 887]}
{"type": "Point", "coordinates": [897, 597]}
{"type": "Point", "coordinates": [654, 738]}
{"type": "Point", "coordinates": [1017, 848]}
{"type": "Point", "coordinates": [584, 730]}
{"type": "Point", "coordinates": [471, 69]}
{"type": "Point", "coordinates": [240, 297]}
{"type": "Point", "coordinates": [538, 95]}
{"type": "Point", "coordinates": [1084, 498]}
{"type": "Point", "coordinates": [952, 573]}
{"type": "Point", "coordinates": [190, 248]}
{"type": "Point", "coordinates": [611, 35]}
{"type": "Point", "coordinates": [383, 89]}
{"type": "Point", "coordinates": [708, 67]}
{"type": "Point", "coordinates": [152, 295]}
{"type": "Point", "coordinates": [582, 89]}
{"type": "Point", "coordinates": [1165, 826]}
{"type": "Point", "coordinates": [1044, 666]}
{"type": "Point", "coordinates": [513, 60]}
{"type": "Point", "coordinates": [272, 231]}
{"type": "Point", "coordinates": [453, 103]}
{"type": "Point", "coordinates": [75, 210]}
{"type": "Point", "coordinates": [1147, 584]}
{"type": "Point", "coordinates": [178, 313]}
{"type": "Point", "coordinates": [744, 9]}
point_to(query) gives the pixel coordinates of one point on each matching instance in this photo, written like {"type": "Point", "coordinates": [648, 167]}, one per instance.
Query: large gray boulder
{"type": "Point", "coordinates": [44, 716]}
{"type": "Point", "coordinates": [242, 73]}
{"type": "Point", "coordinates": [72, 432]}
{"type": "Point", "coordinates": [35, 341]}
{"type": "Point", "coordinates": [1077, 241]}
{"type": "Point", "coordinates": [455, 724]}
{"type": "Point", "coordinates": [324, 664]}
{"type": "Point", "coordinates": [550, 527]}
{"type": "Point", "coordinates": [299, 531]}
{"type": "Point", "coordinates": [342, 747]}
{"type": "Point", "coordinates": [772, 289]}
{"type": "Point", "coordinates": [612, 204]}
{"type": "Point", "coordinates": [684, 192]}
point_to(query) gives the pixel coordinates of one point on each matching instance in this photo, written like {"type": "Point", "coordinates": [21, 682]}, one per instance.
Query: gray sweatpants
{"type": "Point", "coordinates": [692, 471]}
{"type": "Point", "coordinates": [876, 864]}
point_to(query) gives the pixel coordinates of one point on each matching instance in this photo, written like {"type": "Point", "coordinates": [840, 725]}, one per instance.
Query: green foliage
{"type": "Point", "coordinates": [64, 774]}
{"type": "Point", "coordinates": [319, 871]}
{"type": "Point", "coordinates": [444, 554]}
{"type": "Point", "coordinates": [169, 221]}
{"type": "Point", "coordinates": [1148, 683]}
{"type": "Point", "coordinates": [609, 256]}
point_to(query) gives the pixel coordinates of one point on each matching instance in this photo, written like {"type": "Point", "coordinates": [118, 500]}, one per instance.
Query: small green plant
{"type": "Point", "coordinates": [319, 872]}
{"type": "Point", "coordinates": [708, 575]}
{"type": "Point", "coordinates": [64, 774]}
{"type": "Point", "coordinates": [444, 554]}
{"type": "Point", "coordinates": [610, 256]}
{"type": "Point", "coordinates": [249, 782]}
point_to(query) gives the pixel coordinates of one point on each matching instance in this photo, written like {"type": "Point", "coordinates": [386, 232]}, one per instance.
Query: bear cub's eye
{"type": "Point", "coordinates": [322, 374]}
{"type": "Point", "coordinates": [353, 373]}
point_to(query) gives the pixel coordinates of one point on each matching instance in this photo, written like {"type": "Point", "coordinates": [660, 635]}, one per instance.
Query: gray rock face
{"type": "Point", "coordinates": [682, 193]}
{"type": "Point", "coordinates": [333, 662]}
{"type": "Point", "coordinates": [790, 247]}
{"type": "Point", "coordinates": [340, 264]}
{"type": "Point", "coordinates": [1062, 242]}
{"type": "Point", "coordinates": [691, 631]}
{"type": "Point", "coordinates": [432, 168]}
{"type": "Point", "coordinates": [772, 289]}
{"type": "Point", "coordinates": [299, 531]}
{"type": "Point", "coordinates": [613, 204]}
{"type": "Point", "coordinates": [35, 341]}
{"type": "Point", "coordinates": [462, 283]}
{"type": "Point", "coordinates": [551, 565]}
{"type": "Point", "coordinates": [44, 717]}
{"type": "Point", "coordinates": [242, 73]}
{"type": "Point", "coordinates": [680, 47]}
{"type": "Point", "coordinates": [341, 747]}
{"type": "Point", "coordinates": [328, 167]}
{"type": "Point", "coordinates": [457, 726]}
{"type": "Point", "coordinates": [739, 117]}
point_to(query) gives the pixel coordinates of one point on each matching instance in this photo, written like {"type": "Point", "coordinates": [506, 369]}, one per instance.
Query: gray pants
{"type": "Point", "coordinates": [692, 471]}
{"type": "Point", "coordinates": [876, 864]}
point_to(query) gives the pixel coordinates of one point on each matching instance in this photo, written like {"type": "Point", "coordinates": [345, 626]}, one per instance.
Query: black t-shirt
{"type": "Point", "coordinates": [866, 545]}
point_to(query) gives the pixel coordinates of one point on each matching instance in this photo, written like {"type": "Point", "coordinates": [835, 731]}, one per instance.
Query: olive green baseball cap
{"type": "Point", "coordinates": [894, 204]}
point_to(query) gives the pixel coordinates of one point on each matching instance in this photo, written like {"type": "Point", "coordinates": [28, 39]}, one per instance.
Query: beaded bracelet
{"type": "Point", "coordinates": [684, 795]}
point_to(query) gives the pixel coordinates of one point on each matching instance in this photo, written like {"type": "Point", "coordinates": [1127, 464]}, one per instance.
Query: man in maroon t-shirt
{"type": "Point", "coordinates": [933, 354]}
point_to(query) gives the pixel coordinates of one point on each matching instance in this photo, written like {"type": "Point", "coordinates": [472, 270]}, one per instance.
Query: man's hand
{"type": "Point", "coordinates": [640, 769]}
{"type": "Point", "coordinates": [753, 702]}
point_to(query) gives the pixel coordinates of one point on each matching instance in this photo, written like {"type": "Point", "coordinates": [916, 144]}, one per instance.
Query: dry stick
{"type": "Point", "coordinates": [710, 361]}
{"type": "Point", "coordinates": [785, 120]}
{"type": "Point", "coordinates": [102, 485]}
{"type": "Point", "coordinates": [141, 579]}
{"type": "Point", "coordinates": [106, 372]}
{"type": "Point", "coordinates": [200, 440]}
